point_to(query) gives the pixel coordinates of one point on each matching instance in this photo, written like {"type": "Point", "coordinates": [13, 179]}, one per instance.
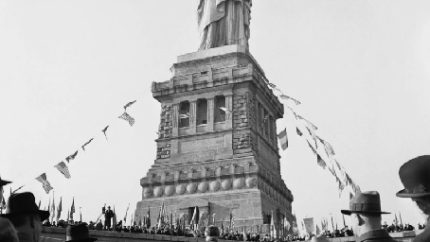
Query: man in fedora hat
{"type": "Point", "coordinates": [415, 176]}
{"type": "Point", "coordinates": [24, 214]}
{"type": "Point", "coordinates": [78, 233]}
{"type": "Point", "coordinates": [365, 211]}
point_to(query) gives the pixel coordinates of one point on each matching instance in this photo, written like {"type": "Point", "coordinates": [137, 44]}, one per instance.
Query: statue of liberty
{"type": "Point", "coordinates": [223, 22]}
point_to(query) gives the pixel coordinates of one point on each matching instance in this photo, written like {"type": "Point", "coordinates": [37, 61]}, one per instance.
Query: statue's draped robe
{"type": "Point", "coordinates": [223, 22]}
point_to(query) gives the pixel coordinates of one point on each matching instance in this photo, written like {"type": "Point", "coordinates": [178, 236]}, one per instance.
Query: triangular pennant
{"type": "Point", "coordinates": [62, 167]}
{"type": "Point", "coordinates": [71, 157]}
{"type": "Point", "coordinates": [86, 143]}
{"type": "Point", "coordinates": [297, 102]}
{"type": "Point", "coordinates": [129, 104]}
{"type": "Point", "coordinates": [104, 130]}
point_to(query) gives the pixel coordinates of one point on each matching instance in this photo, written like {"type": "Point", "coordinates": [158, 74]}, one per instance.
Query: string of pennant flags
{"type": "Point", "coordinates": [63, 167]}
{"type": "Point", "coordinates": [322, 149]}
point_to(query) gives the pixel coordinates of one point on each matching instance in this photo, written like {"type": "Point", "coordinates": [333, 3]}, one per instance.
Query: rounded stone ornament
{"type": "Point", "coordinates": [169, 191]}
{"type": "Point", "coordinates": [214, 186]}
{"type": "Point", "coordinates": [180, 189]}
{"type": "Point", "coordinates": [239, 183]}
{"type": "Point", "coordinates": [226, 184]}
{"type": "Point", "coordinates": [191, 188]}
{"type": "Point", "coordinates": [251, 182]}
{"type": "Point", "coordinates": [147, 192]}
{"type": "Point", "coordinates": [158, 191]}
{"type": "Point", "coordinates": [203, 187]}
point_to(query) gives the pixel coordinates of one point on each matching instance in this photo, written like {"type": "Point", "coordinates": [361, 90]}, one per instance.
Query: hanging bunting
{"type": "Point", "coordinates": [314, 136]}
{"type": "Point", "coordinates": [320, 161]}
{"type": "Point", "coordinates": [127, 118]}
{"type": "Point", "coordinates": [129, 104]}
{"type": "Point", "coordinates": [299, 133]}
{"type": "Point", "coordinates": [309, 123]}
{"type": "Point", "coordinates": [45, 183]}
{"type": "Point", "coordinates": [71, 157]}
{"type": "Point", "coordinates": [283, 139]}
{"type": "Point", "coordinates": [297, 102]}
{"type": "Point", "coordinates": [86, 143]}
{"type": "Point", "coordinates": [104, 130]}
{"type": "Point", "coordinates": [62, 167]}
{"type": "Point", "coordinates": [328, 148]}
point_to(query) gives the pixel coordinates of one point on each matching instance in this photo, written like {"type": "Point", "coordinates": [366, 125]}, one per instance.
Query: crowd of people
{"type": "Point", "coordinates": [23, 219]}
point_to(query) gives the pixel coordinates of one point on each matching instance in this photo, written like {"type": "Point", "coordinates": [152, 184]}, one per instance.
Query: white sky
{"type": "Point", "coordinates": [360, 68]}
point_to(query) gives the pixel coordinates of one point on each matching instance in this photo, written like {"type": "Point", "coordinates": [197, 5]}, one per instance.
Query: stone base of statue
{"type": "Point", "coordinates": [217, 146]}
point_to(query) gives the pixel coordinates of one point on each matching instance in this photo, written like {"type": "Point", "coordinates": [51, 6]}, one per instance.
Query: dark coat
{"type": "Point", "coordinates": [375, 236]}
{"type": "Point", "coordinates": [424, 236]}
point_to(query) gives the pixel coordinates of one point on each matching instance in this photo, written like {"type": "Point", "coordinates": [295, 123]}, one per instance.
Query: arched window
{"type": "Point", "coordinates": [202, 111]}
{"type": "Point", "coordinates": [220, 109]}
{"type": "Point", "coordinates": [184, 114]}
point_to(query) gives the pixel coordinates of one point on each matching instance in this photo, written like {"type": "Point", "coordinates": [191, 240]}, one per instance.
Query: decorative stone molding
{"type": "Point", "coordinates": [191, 188]}
{"type": "Point", "coordinates": [226, 184]}
{"type": "Point", "coordinates": [158, 191]}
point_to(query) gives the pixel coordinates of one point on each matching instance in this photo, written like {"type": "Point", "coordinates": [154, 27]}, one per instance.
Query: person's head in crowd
{"type": "Point", "coordinates": [365, 212]}
{"type": "Point", "coordinates": [212, 233]}
{"type": "Point", "coordinates": [415, 177]}
{"type": "Point", "coordinates": [319, 239]}
{"type": "Point", "coordinates": [2, 183]}
{"type": "Point", "coordinates": [78, 233]}
{"type": "Point", "coordinates": [24, 214]}
{"type": "Point", "coordinates": [7, 231]}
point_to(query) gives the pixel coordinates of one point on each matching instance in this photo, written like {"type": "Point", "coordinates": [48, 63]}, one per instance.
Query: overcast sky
{"type": "Point", "coordinates": [360, 68]}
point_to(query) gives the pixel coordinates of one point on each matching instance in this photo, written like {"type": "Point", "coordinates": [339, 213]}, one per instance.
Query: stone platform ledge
{"type": "Point", "coordinates": [59, 234]}
{"type": "Point", "coordinates": [223, 50]}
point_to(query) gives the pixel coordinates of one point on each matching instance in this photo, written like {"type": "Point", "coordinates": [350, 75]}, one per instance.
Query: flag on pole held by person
{"type": "Point", "coordinates": [63, 169]}
{"type": "Point", "coordinates": [283, 139]}
{"type": "Point", "coordinates": [45, 183]}
{"type": "Point", "coordinates": [126, 211]}
{"type": "Point", "coordinates": [53, 207]}
{"type": "Point", "coordinates": [59, 209]}
{"type": "Point", "coordinates": [72, 209]}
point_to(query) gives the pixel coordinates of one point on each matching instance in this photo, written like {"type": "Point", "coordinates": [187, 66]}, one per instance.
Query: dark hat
{"type": "Point", "coordinates": [23, 203]}
{"type": "Point", "coordinates": [365, 202]}
{"type": "Point", "coordinates": [212, 231]}
{"type": "Point", "coordinates": [78, 233]}
{"type": "Point", "coordinates": [415, 176]}
{"type": "Point", "coordinates": [3, 182]}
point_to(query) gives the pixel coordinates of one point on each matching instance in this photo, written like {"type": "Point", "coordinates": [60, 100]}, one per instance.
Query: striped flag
{"type": "Point", "coordinates": [283, 139]}
{"type": "Point", "coordinates": [127, 118]}
{"type": "Point", "coordinates": [45, 183]}
{"type": "Point", "coordinates": [62, 167]}
{"type": "Point", "coordinates": [126, 211]}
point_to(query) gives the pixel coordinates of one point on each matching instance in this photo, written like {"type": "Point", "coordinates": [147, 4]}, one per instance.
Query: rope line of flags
{"type": "Point", "coordinates": [322, 149]}
{"type": "Point", "coordinates": [62, 166]}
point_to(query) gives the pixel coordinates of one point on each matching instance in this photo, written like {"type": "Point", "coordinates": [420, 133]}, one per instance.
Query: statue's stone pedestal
{"type": "Point", "coordinates": [222, 166]}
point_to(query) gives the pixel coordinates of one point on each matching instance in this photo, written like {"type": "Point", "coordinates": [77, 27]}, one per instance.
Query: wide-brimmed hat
{"type": "Point", "coordinates": [23, 203]}
{"type": "Point", "coordinates": [78, 233]}
{"type": "Point", "coordinates": [4, 182]}
{"type": "Point", "coordinates": [415, 176]}
{"type": "Point", "coordinates": [365, 203]}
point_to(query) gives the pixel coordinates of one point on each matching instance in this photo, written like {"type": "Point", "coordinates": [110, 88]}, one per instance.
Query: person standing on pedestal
{"type": "Point", "coordinates": [108, 218]}
{"type": "Point", "coordinates": [223, 22]}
